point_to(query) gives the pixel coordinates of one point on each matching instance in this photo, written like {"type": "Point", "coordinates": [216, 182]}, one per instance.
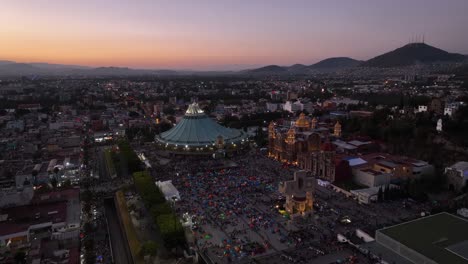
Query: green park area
{"type": "Point", "coordinates": [129, 157]}
{"type": "Point", "coordinates": [165, 219]}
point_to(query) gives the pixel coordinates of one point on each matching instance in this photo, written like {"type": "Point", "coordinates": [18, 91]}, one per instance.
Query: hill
{"type": "Point", "coordinates": [297, 68]}
{"type": "Point", "coordinates": [4, 62]}
{"type": "Point", "coordinates": [411, 54]}
{"type": "Point", "coordinates": [14, 69]}
{"type": "Point", "coordinates": [335, 63]}
{"type": "Point", "coordinates": [270, 69]}
{"type": "Point", "coordinates": [327, 65]}
{"type": "Point", "coordinates": [11, 68]}
{"type": "Point", "coordinates": [52, 66]}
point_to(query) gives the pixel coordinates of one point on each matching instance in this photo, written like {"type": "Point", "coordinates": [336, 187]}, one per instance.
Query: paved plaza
{"type": "Point", "coordinates": [234, 205]}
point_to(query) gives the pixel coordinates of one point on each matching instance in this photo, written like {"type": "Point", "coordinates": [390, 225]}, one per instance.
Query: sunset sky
{"type": "Point", "coordinates": [221, 34]}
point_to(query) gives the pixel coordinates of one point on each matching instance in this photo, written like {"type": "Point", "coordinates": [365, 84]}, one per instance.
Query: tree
{"type": "Point", "coordinates": [260, 137]}
{"type": "Point", "coordinates": [67, 183]}
{"type": "Point", "coordinates": [86, 196]}
{"type": "Point", "coordinates": [20, 257]}
{"type": "Point", "coordinates": [53, 182]}
{"type": "Point", "coordinates": [87, 227]}
{"type": "Point", "coordinates": [386, 194]}
{"type": "Point", "coordinates": [380, 195]}
{"type": "Point", "coordinates": [90, 255]}
{"type": "Point", "coordinates": [149, 248]}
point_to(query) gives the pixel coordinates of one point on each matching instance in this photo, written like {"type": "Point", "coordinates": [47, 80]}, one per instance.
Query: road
{"type": "Point", "coordinates": [120, 248]}
{"type": "Point", "coordinates": [103, 173]}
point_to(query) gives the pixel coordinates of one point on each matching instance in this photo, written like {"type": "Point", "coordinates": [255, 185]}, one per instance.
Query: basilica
{"type": "Point", "coordinates": [305, 143]}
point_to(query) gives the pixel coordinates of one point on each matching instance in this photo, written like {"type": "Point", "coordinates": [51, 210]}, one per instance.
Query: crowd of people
{"type": "Point", "coordinates": [234, 212]}
{"type": "Point", "coordinates": [224, 200]}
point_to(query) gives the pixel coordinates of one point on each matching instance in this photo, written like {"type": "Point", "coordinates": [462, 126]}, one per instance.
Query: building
{"type": "Point", "coordinates": [367, 195]}
{"type": "Point", "coordinates": [272, 107]}
{"type": "Point", "coordinates": [15, 125]}
{"type": "Point", "coordinates": [439, 125]}
{"type": "Point", "coordinates": [370, 177]}
{"type": "Point", "coordinates": [457, 176]}
{"type": "Point", "coordinates": [197, 133]}
{"type": "Point", "coordinates": [422, 108]}
{"type": "Point", "coordinates": [17, 191]}
{"type": "Point", "coordinates": [400, 167]}
{"type": "Point", "coordinates": [299, 193]}
{"type": "Point", "coordinates": [320, 162]}
{"type": "Point", "coordinates": [451, 108]}
{"type": "Point", "coordinates": [51, 216]}
{"type": "Point", "coordinates": [337, 129]}
{"type": "Point", "coordinates": [437, 106]}
{"type": "Point", "coordinates": [308, 107]}
{"type": "Point", "coordinates": [291, 96]}
{"type": "Point", "coordinates": [305, 145]}
{"type": "Point", "coordinates": [293, 107]}
{"type": "Point", "coordinates": [435, 239]}
{"type": "Point", "coordinates": [169, 191]}
{"type": "Point", "coordinates": [377, 169]}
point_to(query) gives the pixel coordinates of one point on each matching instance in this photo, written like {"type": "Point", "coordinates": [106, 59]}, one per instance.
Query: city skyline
{"type": "Point", "coordinates": [221, 36]}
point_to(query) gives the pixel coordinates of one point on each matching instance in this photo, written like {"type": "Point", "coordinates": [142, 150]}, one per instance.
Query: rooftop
{"type": "Point", "coordinates": [461, 165]}
{"type": "Point", "coordinates": [442, 237]}
{"type": "Point", "coordinates": [19, 219]}
{"type": "Point", "coordinates": [196, 129]}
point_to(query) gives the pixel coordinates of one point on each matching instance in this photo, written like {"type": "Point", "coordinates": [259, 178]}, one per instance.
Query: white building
{"type": "Point", "coordinates": [370, 177]}
{"type": "Point", "coordinates": [457, 175]}
{"type": "Point", "coordinates": [368, 195]}
{"type": "Point", "coordinates": [439, 125]}
{"type": "Point", "coordinates": [169, 190]}
{"type": "Point", "coordinates": [451, 108]}
{"type": "Point", "coordinates": [293, 107]}
{"type": "Point", "coordinates": [422, 108]}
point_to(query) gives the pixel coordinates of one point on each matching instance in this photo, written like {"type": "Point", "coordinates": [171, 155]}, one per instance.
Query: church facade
{"type": "Point", "coordinates": [304, 144]}
{"type": "Point", "coordinates": [299, 193]}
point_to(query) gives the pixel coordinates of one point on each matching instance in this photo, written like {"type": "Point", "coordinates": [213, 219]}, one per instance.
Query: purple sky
{"type": "Point", "coordinates": [222, 34]}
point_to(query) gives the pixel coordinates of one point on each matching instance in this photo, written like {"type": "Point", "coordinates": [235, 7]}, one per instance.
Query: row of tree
{"type": "Point", "coordinates": [165, 219]}
{"type": "Point", "coordinates": [128, 157]}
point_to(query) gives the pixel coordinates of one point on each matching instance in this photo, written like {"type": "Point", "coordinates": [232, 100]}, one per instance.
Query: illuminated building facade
{"type": "Point", "coordinates": [197, 133]}
{"type": "Point", "coordinates": [299, 193]}
{"type": "Point", "coordinates": [305, 145]}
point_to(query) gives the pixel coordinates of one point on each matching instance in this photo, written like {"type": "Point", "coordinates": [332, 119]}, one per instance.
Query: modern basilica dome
{"type": "Point", "coordinates": [198, 132]}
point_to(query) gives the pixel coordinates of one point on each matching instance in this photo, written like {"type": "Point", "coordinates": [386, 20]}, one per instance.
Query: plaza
{"type": "Point", "coordinates": [237, 211]}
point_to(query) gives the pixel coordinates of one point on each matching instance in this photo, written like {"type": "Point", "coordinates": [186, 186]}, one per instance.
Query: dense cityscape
{"type": "Point", "coordinates": [340, 161]}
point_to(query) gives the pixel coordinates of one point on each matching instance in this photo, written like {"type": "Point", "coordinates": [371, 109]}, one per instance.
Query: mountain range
{"type": "Point", "coordinates": [11, 68]}
{"type": "Point", "coordinates": [410, 54]}
{"type": "Point", "coordinates": [326, 65]}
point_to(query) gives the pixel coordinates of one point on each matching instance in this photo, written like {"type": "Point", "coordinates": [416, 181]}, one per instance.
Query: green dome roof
{"type": "Point", "coordinates": [196, 129]}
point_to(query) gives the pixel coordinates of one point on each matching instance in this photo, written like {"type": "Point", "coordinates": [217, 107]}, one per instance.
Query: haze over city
{"type": "Point", "coordinates": [222, 35]}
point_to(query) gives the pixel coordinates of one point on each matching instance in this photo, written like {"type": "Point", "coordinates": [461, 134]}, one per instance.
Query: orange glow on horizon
{"type": "Point", "coordinates": [219, 35]}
